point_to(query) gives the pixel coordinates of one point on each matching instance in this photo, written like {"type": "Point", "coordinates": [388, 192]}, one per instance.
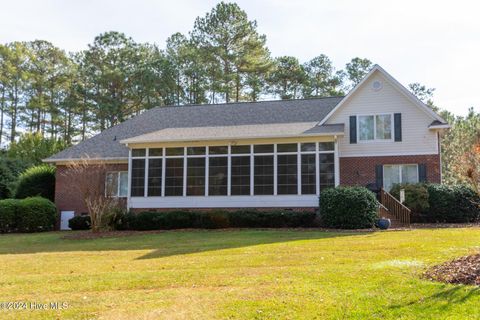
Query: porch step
{"type": "Point", "coordinates": [395, 223]}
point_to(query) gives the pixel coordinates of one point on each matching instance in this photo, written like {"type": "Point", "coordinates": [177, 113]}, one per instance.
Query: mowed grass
{"type": "Point", "coordinates": [241, 274]}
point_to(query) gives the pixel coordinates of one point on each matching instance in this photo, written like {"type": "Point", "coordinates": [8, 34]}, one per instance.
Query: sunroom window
{"type": "Point", "coordinates": [236, 170]}
{"type": "Point", "coordinates": [375, 127]}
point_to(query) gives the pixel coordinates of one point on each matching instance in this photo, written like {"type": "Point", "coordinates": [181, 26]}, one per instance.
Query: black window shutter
{"type": "Point", "coordinates": [397, 120]}
{"type": "Point", "coordinates": [422, 172]}
{"type": "Point", "coordinates": [353, 129]}
{"type": "Point", "coordinates": [379, 175]}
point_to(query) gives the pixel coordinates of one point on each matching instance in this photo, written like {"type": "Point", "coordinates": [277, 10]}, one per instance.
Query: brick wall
{"type": "Point", "coordinates": [66, 197]}
{"type": "Point", "coordinates": [361, 170]}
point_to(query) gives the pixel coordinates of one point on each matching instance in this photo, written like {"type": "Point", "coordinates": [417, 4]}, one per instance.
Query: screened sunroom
{"type": "Point", "coordinates": [178, 169]}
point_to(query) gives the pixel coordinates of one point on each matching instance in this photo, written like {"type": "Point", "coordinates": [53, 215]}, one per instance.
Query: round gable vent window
{"type": "Point", "coordinates": [377, 85]}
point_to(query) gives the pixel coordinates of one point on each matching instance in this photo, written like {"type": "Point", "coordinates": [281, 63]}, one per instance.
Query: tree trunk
{"type": "Point", "coordinates": [2, 110]}
{"type": "Point", "coordinates": [237, 87]}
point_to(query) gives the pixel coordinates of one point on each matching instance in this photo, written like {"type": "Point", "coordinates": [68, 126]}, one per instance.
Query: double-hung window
{"type": "Point", "coordinates": [116, 184]}
{"type": "Point", "coordinates": [375, 127]}
{"type": "Point", "coordinates": [403, 173]}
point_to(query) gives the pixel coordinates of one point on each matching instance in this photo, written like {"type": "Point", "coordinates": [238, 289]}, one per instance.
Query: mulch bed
{"type": "Point", "coordinates": [88, 235]}
{"type": "Point", "coordinates": [464, 270]}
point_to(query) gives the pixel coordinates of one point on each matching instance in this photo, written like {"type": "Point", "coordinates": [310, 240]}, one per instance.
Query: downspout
{"type": "Point", "coordinates": [337, 163]}
{"type": "Point", "coordinates": [440, 156]}
{"type": "Point", "coordinates": [129, 178]}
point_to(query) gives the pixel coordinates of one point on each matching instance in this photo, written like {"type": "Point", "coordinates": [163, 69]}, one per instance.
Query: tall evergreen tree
{"type": "Point", "coordinates": [230, 48]}
{"type": "Point", "coordinates": [287, 78]}
{"type": "Point", "coordinates": [356, 70]}
{"type": "Point", "coordinates": [322, 80]}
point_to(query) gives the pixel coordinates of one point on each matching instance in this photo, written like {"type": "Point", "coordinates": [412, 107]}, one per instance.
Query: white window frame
{"type": "Point", "coordinates": [251, 154]}
{"type": "Point", "coordinates": [375, 139]}
{"type": "Point", "coordinates": [400, 171]}
{"type": "Point", "coordinates": [117, 194]}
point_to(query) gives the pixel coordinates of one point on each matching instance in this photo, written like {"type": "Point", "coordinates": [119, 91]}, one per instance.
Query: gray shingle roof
{"type": "Point", "coordinates": [107, 143]}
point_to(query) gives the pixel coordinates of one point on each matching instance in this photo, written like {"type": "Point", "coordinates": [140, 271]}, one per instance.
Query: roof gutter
{"type": "Point", "coordinates": [66, 160]}
{"type": "Point", "coordinates": [131, 141]}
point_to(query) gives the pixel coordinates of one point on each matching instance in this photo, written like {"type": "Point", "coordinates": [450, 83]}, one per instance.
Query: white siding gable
{"type": "Point", "coordinates": [416, 137]}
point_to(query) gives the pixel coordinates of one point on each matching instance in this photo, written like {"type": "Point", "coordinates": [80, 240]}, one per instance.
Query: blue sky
{"type": "Point", "coordinates": [436, 43]}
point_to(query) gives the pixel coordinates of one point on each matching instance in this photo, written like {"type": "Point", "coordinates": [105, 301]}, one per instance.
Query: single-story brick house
{"type": "Point", "coordinates": [269, 154]}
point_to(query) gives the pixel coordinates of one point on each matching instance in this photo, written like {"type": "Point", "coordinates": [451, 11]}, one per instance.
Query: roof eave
{"type": "Point", "coordinates": [323, 134]}
{"type": "Point", "coordinates": [69, 160]}
{"type": "Point", "coordinates": [440, 126]}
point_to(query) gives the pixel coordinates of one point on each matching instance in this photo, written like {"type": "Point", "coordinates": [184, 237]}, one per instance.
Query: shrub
{"type": "Point", "coordinates": [8, 214]}
{"type": "Point", "coordinates": [126, 221]}
{"type": "Point", "coordinates": [80, 223]}
{"type": "Point", "coordinates": [36, 214]}
{"type": "Point", "coordinates": [37, 181]}
{"type": "Point", "coordinates": [416, 198]}
{"type": "Point", "coordinates": [215, 219]}
{"type": "Point", "coordinates": [112, 218]}
{"type": "Point", "coordinates": [272, 219]}
{"type": "Point", "coordinates": [150, 220]}
{"type": "Point", "coordinates": [348, 208]}
{"type": "Point", "coordinates": [451, 204]}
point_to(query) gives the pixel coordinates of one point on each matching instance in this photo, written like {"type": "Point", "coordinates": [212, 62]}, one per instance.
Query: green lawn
{"type": "Point", "coordinates": [250, 274]}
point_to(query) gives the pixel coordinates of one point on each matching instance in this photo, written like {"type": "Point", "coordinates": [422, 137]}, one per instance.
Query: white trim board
{"type": "Point", "coordinates": [283, 201]}
{"type": "Point", "coordinates": [397, 85]}
{"type": "Point", "coordinates": [369, 155]}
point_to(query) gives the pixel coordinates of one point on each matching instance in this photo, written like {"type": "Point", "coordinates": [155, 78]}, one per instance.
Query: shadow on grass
{"type": "Point", "coordinates": [219, 240]}
{"type": "Point", "coordinates": [447, 297]}
{"type": "Point", "coordinates": [164, 244]}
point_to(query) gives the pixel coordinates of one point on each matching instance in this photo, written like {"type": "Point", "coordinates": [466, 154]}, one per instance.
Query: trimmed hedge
{"type": "Point", "coordinates": [181, 219]}
{"type": "Point", "coordinates": [80, 223]}
{"type": "Point", "coordinates": [37, 181]}
{"type": "Point", "coordinates": [416, 198]}
{"type": "Point", "coordinates": [27, 215]}
{"type": "Point", "coordinates": [438, 203]}
{"type": "Point", "coordinates": [8, 214]}
{"type": "Point", "coordinates": [452, 204]}
{"type": "Point", "coordinates": [36, 214]}
{"type": "Point", "coordinates": [348, 208]}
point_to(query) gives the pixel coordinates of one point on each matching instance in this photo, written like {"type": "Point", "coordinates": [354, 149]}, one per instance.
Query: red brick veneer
{"type": "Point", "coordinates": [361, 170]}
{"type": "Point", "coordinates": [66, 197]}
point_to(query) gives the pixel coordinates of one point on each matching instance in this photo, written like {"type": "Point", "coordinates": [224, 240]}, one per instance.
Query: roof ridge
{"type": "Point", "coordinates": [241, 102]}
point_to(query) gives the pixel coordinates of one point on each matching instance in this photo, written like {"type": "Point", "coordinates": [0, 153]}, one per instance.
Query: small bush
{"type": "Point", "coordinates": [416, 198]}
{"type": "Point", "coordinates": [8, 215]}
{"type": "Point", "coordinates": [37, 181]}
{"type": "Point", "coordinates": [80, 223]}
{"type": "Point", "coordinates": [272, 219]}
{"type": "Point", "coordinates": [215, 219]}
{"type": "Point", "coordinates": [127, 221]}
{"type": "Point", "coordinates": [112, 218]}
{"type": "Point", "coordinates": [36, 214]}
{"type": "Point", "coordinates": [452, 204]}
{"type": "Point", "coordinates": [150, 220]}
{"type": "Point", "coordinates": [348, 208]}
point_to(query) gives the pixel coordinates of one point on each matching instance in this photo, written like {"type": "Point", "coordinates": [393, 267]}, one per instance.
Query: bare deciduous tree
{"type": "Point", "coordinates": [88, 179]}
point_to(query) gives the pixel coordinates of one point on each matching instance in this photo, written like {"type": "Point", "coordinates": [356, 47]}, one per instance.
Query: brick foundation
{"type": "Point", "coordinates": [66, 197]}
{"type": "Point", "coordinates": [361, 170]}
